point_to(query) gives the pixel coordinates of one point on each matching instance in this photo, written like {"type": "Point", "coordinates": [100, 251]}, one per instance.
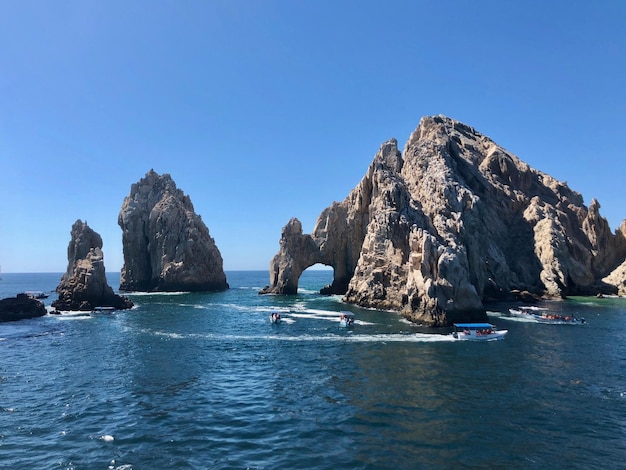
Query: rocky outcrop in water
{"type": "Point", "coordinates": [20, 307]}
{"type": "Point", "coordinates": [167, 246]}
{"type": "Point", "coordinates": [84, 285]}
{"type": "Point", "coordinates": [449, 224]}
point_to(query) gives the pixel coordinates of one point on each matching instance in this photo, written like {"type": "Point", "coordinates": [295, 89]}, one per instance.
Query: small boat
{"type": "Point", "coordinates": [525, 311]}
{"type": "Point", "coordinates": [103, 310]}
{"type": "Point", "coordinates": [552, 318]}
{"type": "Point", "coordinates": [542, 316]}
{"type": "Point", "coordinates": [346, 319]}
{"type": "Point", "coordinates": [477, 332]}
{"type": "Point", "coordinates": [36, 294]}
{"type": "Point", "coordinates": [275, 317]}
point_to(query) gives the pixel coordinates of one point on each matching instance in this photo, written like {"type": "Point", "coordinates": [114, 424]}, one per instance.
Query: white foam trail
{"type": "Point", "coordinates": [352, 338]}
{"type": "Point", "coordinates": [140, 294]}
{"type": "Point", "coordinates": [73, 315]}
{"type": "Point", "coordinates": [504, 316]}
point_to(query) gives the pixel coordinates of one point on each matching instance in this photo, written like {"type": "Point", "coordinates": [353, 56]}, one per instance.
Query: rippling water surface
{"type": "Point", "coordinates": [205, 381]}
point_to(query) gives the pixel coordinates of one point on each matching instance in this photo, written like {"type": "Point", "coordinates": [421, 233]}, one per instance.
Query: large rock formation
{"type": "Point", "coordinates": [20, 307]}
{"type": "Point", "coordinates": [84, 285]}
{"type": "Point", "coordinates": [454, 222]}
{"type": "Point", "coordinates": [166, 245]}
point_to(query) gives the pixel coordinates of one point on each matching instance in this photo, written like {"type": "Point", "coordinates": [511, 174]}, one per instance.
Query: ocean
{"type": "Point", "coordinates": [205, 381]}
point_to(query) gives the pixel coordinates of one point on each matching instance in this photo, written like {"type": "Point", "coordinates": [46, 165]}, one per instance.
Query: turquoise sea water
{"type": "Point", "coordinates": [205, 381]}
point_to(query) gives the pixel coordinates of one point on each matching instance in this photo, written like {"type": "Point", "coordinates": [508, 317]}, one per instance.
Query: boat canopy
{"type": "Point", "coordinates": [347, 314]}
{"type": "Point", "coordinates": [473, 325]}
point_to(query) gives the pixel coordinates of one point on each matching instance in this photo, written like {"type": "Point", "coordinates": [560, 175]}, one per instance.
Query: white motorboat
{"type": "Point", "coordinates": [346, 319]}
{"type": "Point", "coordinates": [37, 294]}
{"type": "Point", "coordinates": [555, 319]}
{"type": "Point", "coordinates": [525, 311]}
{"type": "Point", "coordinates": [103, 310]}
{"type": "Point", "coordinates": [477, 332]}
{"type": "Point", "coordinates": [275, 317]}
{"type": "Point", "coordinates": [541, 315]}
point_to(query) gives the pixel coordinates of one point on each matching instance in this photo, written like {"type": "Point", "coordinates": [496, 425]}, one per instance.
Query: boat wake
{"type": "Point", "coordinates": [353, 338]}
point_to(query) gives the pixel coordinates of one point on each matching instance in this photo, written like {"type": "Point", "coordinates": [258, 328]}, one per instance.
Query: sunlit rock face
{"type": "Point", "coordinates": [84, 285]}
{"type": "Point", "coordinates": [450, 223]}
{"type": "Point", "coordinates": [167, 246]}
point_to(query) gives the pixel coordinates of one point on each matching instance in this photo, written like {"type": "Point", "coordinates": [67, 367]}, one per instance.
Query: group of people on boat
{"type": "Point", "coordinates": [275, 317]}
{"type": "Point", "coordinates": [550, 316]}
{"type": "Point", "coordinates": [480, 332]}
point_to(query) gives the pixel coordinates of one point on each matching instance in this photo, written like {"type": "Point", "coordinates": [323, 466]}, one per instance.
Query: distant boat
{"type": "Point", "coordinates": [36, 294]}
{"type": "Point", "coordinates": [542, 316]}
{"type": "Point", "coordinates": [275, 317]}
{"type": "Point", "coordinates": [554, 319]}
{"type": "Point", "coordinates": [478, 332]}
{"type": "Point", "coordinates": [103, 310]}
{"type": "Point", "coordinates": [525, 311]}
{"type": "Point", "coordinates": [346, 319]}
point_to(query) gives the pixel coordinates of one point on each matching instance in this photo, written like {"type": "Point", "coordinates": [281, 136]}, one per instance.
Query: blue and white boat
{"type": "Point", "coordinates": [477, 332]}
{"type": "Point", "coordinates": [275, 317]}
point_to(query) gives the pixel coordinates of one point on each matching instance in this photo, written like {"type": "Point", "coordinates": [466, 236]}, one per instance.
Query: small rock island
{"type": "Point", "coordinates": [20, 307]}
{"type": "Point", "coordinates": [167, 247]}
{"type": "Point", "coordinates": [84, 285]}
{"type": "Point", "coordinates": [452, 222]}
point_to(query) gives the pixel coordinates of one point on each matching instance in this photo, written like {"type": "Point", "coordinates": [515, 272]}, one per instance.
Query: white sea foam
{"type": "Point", "coordinates": [525, 319]}
{"type": "Point", "coordinates": [107, 438]}
{"type": "Point", "coordinates": [351, 338]}
{"type": "Point", "coordinates": [140, 294]}
{"type": "Point", "coordinates": [198, 306]}
{"type": "Point", "coordinates": [73, 315]}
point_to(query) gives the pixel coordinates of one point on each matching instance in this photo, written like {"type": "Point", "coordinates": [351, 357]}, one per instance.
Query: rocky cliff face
{"type": "Point", "coordinates": [166, 245]}
{"type": "Point", "coordinates": [84, 285]}
{"type": "Point", "coordinates": [451, 223]}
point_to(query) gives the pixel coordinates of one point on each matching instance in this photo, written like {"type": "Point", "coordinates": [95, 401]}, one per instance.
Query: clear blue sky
{"type": "Point", "coordinates": [265, 110]}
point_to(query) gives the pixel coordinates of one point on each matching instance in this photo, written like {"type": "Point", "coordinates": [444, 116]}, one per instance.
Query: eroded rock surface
{"type": "Point", "coordinates": [452, 222]}
{"type": "Point", "coordinates": [167, 246]}
{"type": "Point", "coordinates": [84, 285]}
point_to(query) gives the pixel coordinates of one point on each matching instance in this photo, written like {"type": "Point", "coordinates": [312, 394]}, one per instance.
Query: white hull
{"type": "Point", "coordinates": [560, 321]}
{"type": "Point", "coordinates": [472, 336]}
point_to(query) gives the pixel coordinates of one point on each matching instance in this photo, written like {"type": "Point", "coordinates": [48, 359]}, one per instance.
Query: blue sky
{"type": "Point", "coordinates": [265, 110]}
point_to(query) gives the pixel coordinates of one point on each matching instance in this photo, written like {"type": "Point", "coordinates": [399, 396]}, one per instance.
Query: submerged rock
{"type": "Point", "coordinates": [167, 246]}
{"type": "Point", "coordinates": [84, 285]}
{"type": "Point", "coordinates": [20, 307]}
{"type": "Point", "coordinates": [449, 224]}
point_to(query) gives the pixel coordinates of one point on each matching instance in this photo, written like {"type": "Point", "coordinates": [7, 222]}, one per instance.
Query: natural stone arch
{"type": "Point", "coordinates": [451, 223]}
{"type": "Point", "coordinates": [299, 251]}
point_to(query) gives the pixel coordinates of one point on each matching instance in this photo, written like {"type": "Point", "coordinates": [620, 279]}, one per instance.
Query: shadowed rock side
{"type": "Point", "coordinates": [20, 307]}
{"type": "Point", "coordinates": [454, 222]}
{"type": "Point", "coordinates": [84, 285]}
{"type": "Point", "coordinates": [166, 245]}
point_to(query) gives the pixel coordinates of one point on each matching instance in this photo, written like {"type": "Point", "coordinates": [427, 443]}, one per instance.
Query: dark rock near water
{"type": "Point", "coordinates": [167, 246]}
{"type": "Point", "coordinates": [453, 222]}
{"type": "Point", "coordinates": [84, 285]}
{"type": "Point", "coordinates": [20, 307]}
